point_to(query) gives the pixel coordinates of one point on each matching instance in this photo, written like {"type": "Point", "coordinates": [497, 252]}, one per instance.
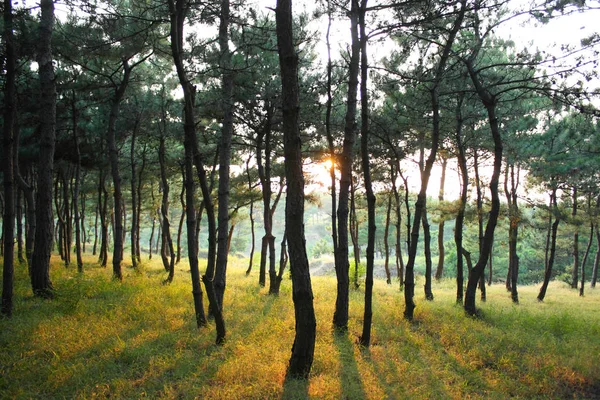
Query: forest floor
{"type": "Point", "coordinates": [100, 338]}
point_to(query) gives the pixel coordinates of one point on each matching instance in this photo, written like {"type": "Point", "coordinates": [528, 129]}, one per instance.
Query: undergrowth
{"type": "Point", "coordinates": [100, 338]}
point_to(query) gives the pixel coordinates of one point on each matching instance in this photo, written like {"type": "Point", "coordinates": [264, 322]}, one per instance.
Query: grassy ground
{"type": "Point", "coordinates": [135, 339]}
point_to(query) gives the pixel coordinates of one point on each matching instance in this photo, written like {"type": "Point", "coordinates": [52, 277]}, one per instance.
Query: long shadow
{"type": "Point", "coordinates": [295, 389]}
{"type": "Point", "coordinates": [351, 381]}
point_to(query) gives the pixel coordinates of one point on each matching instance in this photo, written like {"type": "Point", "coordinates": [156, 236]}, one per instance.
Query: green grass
{"type": "Point", "coordinates": [99, 338]}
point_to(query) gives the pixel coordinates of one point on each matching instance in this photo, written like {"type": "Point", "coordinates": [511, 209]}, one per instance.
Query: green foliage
{"type": "Point", "coordinates": [322, 247]}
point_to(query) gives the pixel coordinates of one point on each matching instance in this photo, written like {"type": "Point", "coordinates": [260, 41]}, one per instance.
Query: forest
{"type": "Point", "coordinates": [236, 145]}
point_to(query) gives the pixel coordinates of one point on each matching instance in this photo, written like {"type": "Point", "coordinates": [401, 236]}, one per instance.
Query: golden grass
{"type": "Point", "coordinates": [100, 338]}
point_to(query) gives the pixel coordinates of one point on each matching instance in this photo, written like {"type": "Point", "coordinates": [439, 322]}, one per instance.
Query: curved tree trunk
{"type": "Point", "coordinates": [304, 341]}
{"type": "Point", "coordinates": [168, 260]}
{"type": "Point", "coordinates": [460, 217]}
{"type": "Point", "coordinates": [178, 10]}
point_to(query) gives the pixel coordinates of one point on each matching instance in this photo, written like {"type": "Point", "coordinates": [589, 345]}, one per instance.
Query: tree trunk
{"type": "Point", "coordinates": [134, 209]}
{"type": "Point", "coordinates": [19, 213]}
{"type": "Point", "coordinates": [596, 260]}
{"type": "Point", "coordinates": [182, 218]}
{"type": "Point", "coordinates": [224, 153]}
{"type": "Point", "coordinates": [354, 227]}
{"type": "Point", "coordinates": [74, 116]}
{"type": "Point", "coordinates": [427, 251]}
{"type": "Point", "coordinates": [575, 271]}
{"type": "Point", "coordinates": [386, 245]}
{"type": "Point", "coordinates": [251, 214]}
{"type": "Point", "coordinates": [304, 341]}
{"type": "Point", "coordinates": [440, 267]}
{"type": "Point", "coordinates": [365, 337]}
{"type": "Point", "coordinates": [585, 257]}
{"type": "Point", "coordinates": [479, 203]}
{"type": "Point", "coordinates": [40, 268]}
{"type": "Point", "coordinates": [342, 267]}
{"type": "Point", "coordinates": [460, 217]}
{"type": "Point", "coordinates": [168, 262]}
{"type": "Point", "coordinates": [398, 211]}
{"type": "Point", "coordinates": [548, 272]}
{"type": "Point", "coordinates": [8, 216]}
{"type": "Point", "coordinates": [178, 10]}
{"type": "Point", "coordinates": [114, 169]}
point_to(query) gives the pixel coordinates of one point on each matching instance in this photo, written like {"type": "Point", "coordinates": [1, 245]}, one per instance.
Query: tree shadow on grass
{"type": "Point", "coordinates": [351, 381]}
{"type": "Point", "coordinates": [295, 389]}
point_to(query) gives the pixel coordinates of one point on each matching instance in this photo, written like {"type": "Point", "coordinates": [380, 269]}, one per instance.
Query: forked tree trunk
{"type": "Point", "coordinates": [304, 341]}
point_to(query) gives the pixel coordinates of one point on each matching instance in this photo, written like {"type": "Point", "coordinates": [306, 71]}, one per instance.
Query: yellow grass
{"type": "Point", "coordinates": [101, 338]}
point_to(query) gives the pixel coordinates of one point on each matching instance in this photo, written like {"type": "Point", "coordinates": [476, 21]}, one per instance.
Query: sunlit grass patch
{"type": "Point", "coordinates": [138, 338]}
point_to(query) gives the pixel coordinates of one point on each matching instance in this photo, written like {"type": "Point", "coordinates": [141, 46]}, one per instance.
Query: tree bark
{"type": "Point", "coordinates": [386, 246]}
{"type": "Point", "coordinates": [134, 208]}
{"type": "Point", "coordinates": [342, 267]}
{"type": "Point", "coordinates": [490, 102]}
{"type": "Point", "coordinates": [74, 116]}
{"type": "Point", "coordinates": [460, 217]}
{"type": "Point", "coordinates": [575, 270]}
{"type": "Point", "coordinates": [365, 337]}
{"type": "Point", "coordinates": [304, 341]}
{"type": "Point", "coordinates": [548, 272]}
{"type": "Point", "coordinates": [8, 216]}
{"type": "Point", "coordinates": [40, 268]}
{"type": "Point", "coordinates": [168, 261]}
{"type": "Point", "coordinates": [224, 153]}
{"type": "Point", "coordinates": [178, 10]}
{"type": "Point", "coordinates": [440, 267]}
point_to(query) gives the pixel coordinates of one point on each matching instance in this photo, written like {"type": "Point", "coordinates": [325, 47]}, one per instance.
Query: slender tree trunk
{"type": "Point", "coordinates": [488, 238]}
{"type": "Point", "coordinates": [8, 216]}
{"type": "Point", "coordinates": [181, 219]}
{"type": "Point", "coordinates": [114, 169]}
{"type": "Point", "coordinates": [365, 337]}
{"type": "Point", "coordinates": [342, 267]}
{"type": "Point", "coordinates": [548, 273]}
{"type": "Point", "coordinates": [19, 214]}
{"type": "Point", "coordinates": [575, 270]}
{"type": "Point", "coordinates": [427, 251]}
{"type": "Point", "coordinates": [330, 139]}
{"type": "Point", "coordinates": [178, 10]}
{"type": "Point", "coordinates": [168, 262]}
{"type": "Point", "coordinates": [596, 260]}
{"type": "Point", "coordinates": [74, 116]}
{"type": "Point", "coordinates": [224, 153]}
{"type": "Point", "coordinates": [251, 214]}
{"type": "Point", "coordinates": [440, 267]}
{"type": "Point", "coordinates": [585, 257]}
{"type": "Point", "coordinates": [40, 268]}
{"type": "Point", "coordinates": [460, 217]}
{"type": "Point", "coordinates": [354, 233]}
{"type": "Point", "coordinates": [386, 245]}
{"type": "Point", "coordinates": [398, 211]}
{"type": "Point", "coordinates": [304, 341]}
{"type": "Point", "coordinates": [138, 247]}
{"type": "Point", "coordinates": [134, 209]}
{"type": "Point", "coordinates": [480, 231]}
